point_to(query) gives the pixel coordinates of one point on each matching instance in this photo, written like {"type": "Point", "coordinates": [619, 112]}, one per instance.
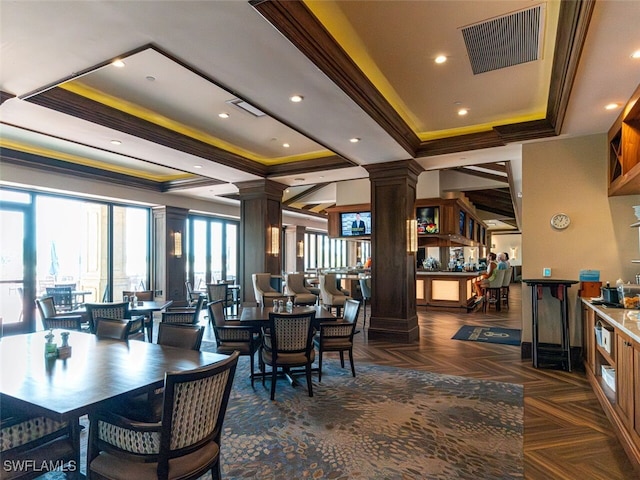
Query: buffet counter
{"type": "Point", "coordinates": [445, 289]}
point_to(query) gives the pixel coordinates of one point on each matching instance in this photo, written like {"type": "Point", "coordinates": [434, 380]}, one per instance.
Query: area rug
{"type": "Point", "coordinates": [474, 333]}
{"type": "Point", "coordinates": [387, 423]}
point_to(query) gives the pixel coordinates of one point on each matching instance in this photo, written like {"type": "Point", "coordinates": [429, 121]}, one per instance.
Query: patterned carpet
{"type": "Point", "coordinates": [387, 423]}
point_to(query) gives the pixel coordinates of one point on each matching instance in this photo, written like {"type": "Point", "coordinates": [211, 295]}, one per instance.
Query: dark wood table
{"type": "Point", "coordinates": [97, 371]}
{"type": "Point", "coordinates": [552, 353]}
{"type": "Point", "coordinates": [259, 316]}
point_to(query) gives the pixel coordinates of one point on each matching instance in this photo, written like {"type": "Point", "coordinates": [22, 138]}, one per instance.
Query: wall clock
{"type": "Point", "coordinates": [560, 221]}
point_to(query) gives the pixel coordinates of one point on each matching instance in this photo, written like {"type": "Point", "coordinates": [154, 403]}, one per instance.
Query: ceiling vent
{"type": "Point", "coordinates": [247, 107]}
{"type": "Point", "coordinates": [505, 41]}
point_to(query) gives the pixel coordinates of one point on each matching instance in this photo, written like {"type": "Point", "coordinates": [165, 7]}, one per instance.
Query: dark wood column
{"type": "Point", "coordinates": [393, 275]}
{"type": "Point", "coordinates": [299, 238]}
{"type": "Point", "coordinates": [260, 212]}
{"type": "Point", "coordinates": [169, 270]}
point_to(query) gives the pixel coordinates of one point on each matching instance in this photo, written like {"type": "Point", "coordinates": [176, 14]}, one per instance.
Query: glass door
{"type": "Point", "coordinates": [17, 311]}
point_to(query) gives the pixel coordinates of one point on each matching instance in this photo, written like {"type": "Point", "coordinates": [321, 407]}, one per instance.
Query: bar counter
{"type": "Point", "coordinates": [445, 289]}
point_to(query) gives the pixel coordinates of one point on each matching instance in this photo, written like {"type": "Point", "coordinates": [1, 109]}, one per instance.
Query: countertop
{"type": "Point", "coordinates": [627, 320]}
{"type": "Point", "coordinates": [448, 274]}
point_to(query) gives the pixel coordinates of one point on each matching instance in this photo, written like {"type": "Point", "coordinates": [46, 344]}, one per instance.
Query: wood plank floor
{"type": "Point", "coordinates": [567, 436]}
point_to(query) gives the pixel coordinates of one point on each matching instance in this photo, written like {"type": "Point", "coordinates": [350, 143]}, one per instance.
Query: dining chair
{"type": "Point", "coordinates": [28, 442]}
{"type": "Point", "coordinates": [288, 343]}
{"type": "Point", "coordinates": [120, 329]}
{"type": "Point", "coordinates": [52, 319]}
{"type": "Point", "coordinates": [295, 286]}
{"type": "Point", "coordinates": [332, 297]}
{"type": "Point", "coordinates": [220, 291]}
{"type": "Point", "coordinates": [143, 296]}
{"type": "Point", "coordinates": [338, 336]}
{"type": "Point", "coordinates": [504, 291]}
{"type": "Point", "coordinates": [192, 295]}
{"type": "Point", "coordinates": [189, 316]}
{"type": "Point", "coordinates": [185, 443]}
{"type": "Point", "coordinates": [263, 290]}
{"type": "Point", "coordinates": [147, 407]}
{"type": "Point", "coordinates": [232, 336]}
{"type": "Point", "coordinates": [491, 292]}
{"type": "Point", "coordinates": [365, 289]}
{"type": "Point", "coordinates": [180, 336]}
{"type": "Point", "coordinates": [117, 310]}
{"type": "Point", "coordinates": [62, 297]}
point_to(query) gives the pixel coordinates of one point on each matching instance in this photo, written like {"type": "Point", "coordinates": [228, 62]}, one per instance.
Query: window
{"type": "Point", "coordinates": [324, 252]}
{"type": "Point", "coordinates": [212, 250]}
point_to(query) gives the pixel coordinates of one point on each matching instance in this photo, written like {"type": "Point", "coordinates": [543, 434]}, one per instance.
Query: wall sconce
{"type": "Point", "coordinates": [274, 241]}
{"type": "Point", "coordinates": [300, 249]}
{"type": "Point", "coordinates": [177, 244]}
{"type": "Point", "coordinates": [412, 236]}
{"type": "Point", "coordinates": [514, 251]}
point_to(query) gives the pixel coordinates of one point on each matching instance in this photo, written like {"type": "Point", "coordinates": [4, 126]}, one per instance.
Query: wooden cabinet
{"type": "Point", "coordinates": [636, 395]}
{"type": "Point", "coordinates": [589, 323]}
{"type": "Point", "coordinates": [622, 403]}
{"type": "Point", "coordinates": [449, 222]}
{"type": "Point", "coordinates": [625, 378]}
{"type": "Point", "coordinates": [624, 150]}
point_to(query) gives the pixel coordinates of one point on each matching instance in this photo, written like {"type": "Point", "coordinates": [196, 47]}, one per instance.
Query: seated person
{"type": "Point", "coordinates": [503, 261]}
{"type": "Point", "coordinates": [485, 278]}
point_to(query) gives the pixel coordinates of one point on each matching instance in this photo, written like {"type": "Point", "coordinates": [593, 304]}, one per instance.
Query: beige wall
{"type": "Point", "coordinates": [570, 176]}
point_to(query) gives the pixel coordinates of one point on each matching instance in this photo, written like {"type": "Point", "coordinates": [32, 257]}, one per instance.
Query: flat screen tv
{"type": "Point", "coordinates": [428, 219]}
{"type": "Point", "coordinates": [355, 224]}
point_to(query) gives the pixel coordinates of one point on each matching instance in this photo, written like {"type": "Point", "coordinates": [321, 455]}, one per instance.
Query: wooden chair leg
{"type": "Point", "coordinates": [309, 384]}
{"type": "Point", "coordinates": [353, 368]}
{"type": "Point", "coordinates": [274, 377]}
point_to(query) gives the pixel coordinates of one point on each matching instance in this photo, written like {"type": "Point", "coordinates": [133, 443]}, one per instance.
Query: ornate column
{"type": "Point", "coordinates": [260, 231]}
{"type": "Point", "coordinates": [393, 293]}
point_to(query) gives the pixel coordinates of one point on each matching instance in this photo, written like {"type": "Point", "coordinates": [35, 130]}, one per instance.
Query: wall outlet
{"type": "Point", "coordinates": [546, 272]}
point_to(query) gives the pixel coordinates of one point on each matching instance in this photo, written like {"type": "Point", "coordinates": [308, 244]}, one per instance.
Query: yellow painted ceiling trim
{"type": "Point", "coordinates": [83, 90]}
{"type": "Point", "coordinates": [46, 152]}
{"type": "Point", "coordinates": [484, 127]}
{"type": "Point", "coordinates": [330, 15]}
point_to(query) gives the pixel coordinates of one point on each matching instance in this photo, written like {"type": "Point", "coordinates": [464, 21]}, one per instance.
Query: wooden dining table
{"type": "Point", "coordinates": [97, 371]}
{"type": "Point", "coordinates": [259, 316]}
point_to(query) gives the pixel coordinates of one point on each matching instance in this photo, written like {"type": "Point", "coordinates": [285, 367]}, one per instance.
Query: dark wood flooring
{"type": "Point", "coordinates": [567, 436]}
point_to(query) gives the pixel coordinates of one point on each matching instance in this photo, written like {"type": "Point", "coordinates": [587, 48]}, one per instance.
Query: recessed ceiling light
{"type": "Point", "coordinates": [463, 111]}
{"type": "Point", "coordinates": [151, 78]}
{"type": "Point", "coordinates": [296, 98]}
{"type": "Point", "coordinates": [286, 145]}
{"type": "Point", "coordinates": [612, 106]}
{"type": "Point", "coordinates": [116, 142]}
{"type": "Point", "coordinates": [354, 140]}
{"type": "Point", "coordinates": [300, 179]}
{"type": "Point", "coordinates": [223, 115]}
{"type": "Point", "coordinates": [636, 54]}
{"type": "Point", "coordinates": [441, 59]}
{"type": "Point", "coordinates": [197, 166]}
{"type": "Point", "coordinates": [118, 63]}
